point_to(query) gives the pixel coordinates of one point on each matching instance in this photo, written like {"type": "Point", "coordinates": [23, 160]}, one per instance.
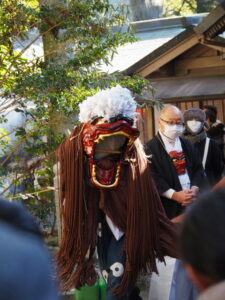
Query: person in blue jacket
{"type": "Point", "coordinates": [25, 269]}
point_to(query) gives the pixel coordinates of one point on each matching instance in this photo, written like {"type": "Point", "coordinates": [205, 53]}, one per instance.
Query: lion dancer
{"type": "Point", "coordinates": [108, 199]}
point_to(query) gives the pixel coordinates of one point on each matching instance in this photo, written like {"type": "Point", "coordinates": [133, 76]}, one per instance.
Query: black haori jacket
{"type": "Point", "coordinates": [165, 175]}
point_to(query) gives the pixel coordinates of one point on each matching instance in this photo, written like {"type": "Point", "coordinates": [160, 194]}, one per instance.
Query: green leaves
{"type": "Point", "coordinates": [187, 7]}
{"type": "Point", "coordinates": [20, 131]}
{"type": "Point", "coordinates": [179, 7]}
{"type": "Point", "coordinates": [46, 86]}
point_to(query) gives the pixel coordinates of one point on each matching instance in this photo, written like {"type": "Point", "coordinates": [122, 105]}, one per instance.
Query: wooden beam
{"type": "Point", "coordinates": [194, 98]}
{"type": "Point", "coordinates": [220, 48]}
{"type": "Point", "coordinates": [168, 56]}
{"type": "Point", "coordinates": [198, 50]}
{"type": "Point", "coordinates": [198, 63]}
{"type": "Point", "coordinates": [215, 71]}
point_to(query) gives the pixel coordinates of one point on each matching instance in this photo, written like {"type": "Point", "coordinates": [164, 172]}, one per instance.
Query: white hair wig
{"type": "Point", "coordinates": [108, 104]}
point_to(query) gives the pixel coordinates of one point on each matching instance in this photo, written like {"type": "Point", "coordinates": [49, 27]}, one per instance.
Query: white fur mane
{"type": "Point", "coordinates": [107, 104]}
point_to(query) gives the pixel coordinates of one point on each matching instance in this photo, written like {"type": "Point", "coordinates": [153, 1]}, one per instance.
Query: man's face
{"type": "Point", "coordinates": [170, 117]}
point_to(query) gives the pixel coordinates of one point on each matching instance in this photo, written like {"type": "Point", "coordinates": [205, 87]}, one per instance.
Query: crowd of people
{"type": "Point", "coordinates": [187, 159]}
{"type": "Point", "coordinates": [186, 162]}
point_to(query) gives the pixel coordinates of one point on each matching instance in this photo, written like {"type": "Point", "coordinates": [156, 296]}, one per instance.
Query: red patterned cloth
{"type": "Point", "coordinates": [178, 160]}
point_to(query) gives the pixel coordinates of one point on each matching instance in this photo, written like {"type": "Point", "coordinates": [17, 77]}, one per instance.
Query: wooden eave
{"type": "Point", "coordinates": [168, 56]}
{"type": "Point", "coordinates": [205, 33]}
{"type": "Point", "coordinates": [215, 29]}
{"type": "Point", "coordinates": [178, 45]}
{"type": "Point", "coordinates": [164, 54]}
{"type": "Point", "coordinates": [193, 98]}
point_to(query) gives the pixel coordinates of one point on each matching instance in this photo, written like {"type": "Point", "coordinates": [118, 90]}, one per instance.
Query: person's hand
{"type": "Point", "coordinates": [195, 189]}
{"type": "Point", "coordinates": [184, 197]}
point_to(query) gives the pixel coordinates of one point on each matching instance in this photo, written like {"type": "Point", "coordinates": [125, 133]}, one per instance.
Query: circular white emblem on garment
{"type": "Point", "coordinates": [117, 269]}
{"type": "Point", "coordinates": [105, 275]}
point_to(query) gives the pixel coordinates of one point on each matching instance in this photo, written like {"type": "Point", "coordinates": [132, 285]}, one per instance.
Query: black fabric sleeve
{"type": "Point", "coordinates": [194, 165]}
{"type": "Point", "coordinates": [214, 162]}
{"type": "Point", "coordinates": [161, 184]}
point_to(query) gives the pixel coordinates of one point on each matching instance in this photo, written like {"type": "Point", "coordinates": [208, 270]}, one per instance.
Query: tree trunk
{"type": "Point", "coordinates": [54, 55]}
{"type": "Point", "coordinates": [146, 9]}
{"type": "Point", "coordinates": [54, 51]}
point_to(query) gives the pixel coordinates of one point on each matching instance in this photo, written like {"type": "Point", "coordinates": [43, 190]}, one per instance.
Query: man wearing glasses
{"type": "Point", "coordinates": [178, 174]}
{"type": "Point", "coordinates": [176, 169]}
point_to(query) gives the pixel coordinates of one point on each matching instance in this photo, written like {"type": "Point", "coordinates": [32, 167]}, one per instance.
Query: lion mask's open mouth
{"type": "Point", "coordinates": [106, 145]}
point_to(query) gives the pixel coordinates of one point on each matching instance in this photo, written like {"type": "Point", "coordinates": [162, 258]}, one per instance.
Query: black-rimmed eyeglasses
{"type": "Point", "coordinates": [172, 122]}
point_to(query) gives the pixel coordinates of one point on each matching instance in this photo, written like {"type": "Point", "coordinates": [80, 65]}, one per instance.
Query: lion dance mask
{"type": "Point", "coordinates": [108, 199]}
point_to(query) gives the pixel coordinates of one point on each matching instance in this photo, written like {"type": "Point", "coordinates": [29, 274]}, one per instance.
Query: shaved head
{"type": "Point", "coordinates": [170, 114]}
{"type": "Point", "coordinates": [170, 109]}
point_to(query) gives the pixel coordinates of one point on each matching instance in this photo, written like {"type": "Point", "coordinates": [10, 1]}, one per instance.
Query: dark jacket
{"type": "Point", "coordinates": [17, 216]}
{"type": "Point", "coordinates": [25, 268]}
{"type": "Point", "coordinates": [214, 163]}
{"type": "Point", "coordinates": [165, 175]}
{"type": "Point", "coordinates": [216, 132]}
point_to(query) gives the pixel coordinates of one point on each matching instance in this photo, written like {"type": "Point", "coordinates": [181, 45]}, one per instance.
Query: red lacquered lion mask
{"type": "Point", "coordinates": [106, 145]}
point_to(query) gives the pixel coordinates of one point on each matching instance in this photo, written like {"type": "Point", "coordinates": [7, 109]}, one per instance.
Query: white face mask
{"type": "Point", "coordinates": [194, 126]}
{"type": "Point", "coordinates": [173, 131]}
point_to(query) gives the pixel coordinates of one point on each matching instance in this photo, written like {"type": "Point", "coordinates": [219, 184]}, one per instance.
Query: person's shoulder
{"type": "Point", "coordinates": [151, 141]}
{"type": "Point", "coordinates": [218, 124]}
{"type": "Point", "coordinates": [217, 127]}
{"type": "Point", "coordinates": [186, 141]}
{"type": "Point", "coordinates": [151, 144]}
{"type": "Point", "coordinates": [16, 215]}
